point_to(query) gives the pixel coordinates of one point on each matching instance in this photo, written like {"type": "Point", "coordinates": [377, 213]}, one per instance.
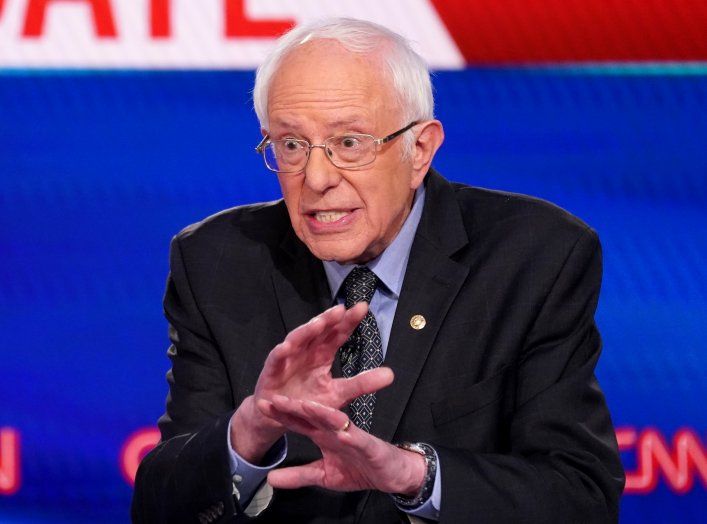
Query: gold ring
{"type": "Point", "coordinates": [345, 427]}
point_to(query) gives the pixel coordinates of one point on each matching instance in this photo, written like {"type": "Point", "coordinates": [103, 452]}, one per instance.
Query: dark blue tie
{"type": "Point", "coordinates": [364, 349]}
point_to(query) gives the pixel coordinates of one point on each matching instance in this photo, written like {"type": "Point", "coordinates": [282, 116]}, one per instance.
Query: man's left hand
{"type": "Point", "coordinates": [352, 459]}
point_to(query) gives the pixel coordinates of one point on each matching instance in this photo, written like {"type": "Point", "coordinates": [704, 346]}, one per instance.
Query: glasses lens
{"type": "Point", "coordinates": [351, 150]}
{"type": "Point", "coordinates": [286, 156]}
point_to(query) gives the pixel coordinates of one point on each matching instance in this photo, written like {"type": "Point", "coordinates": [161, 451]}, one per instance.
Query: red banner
{"type": "Point", "coordinates": [551, 31]}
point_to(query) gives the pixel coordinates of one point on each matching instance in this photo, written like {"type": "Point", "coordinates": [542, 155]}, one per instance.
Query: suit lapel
{"type": "Point", "coordinates": [300, 286]}
{"type": "Point", "coordinates": [300, 283]}
{"type": "Point", "coordinates": [432, 281]}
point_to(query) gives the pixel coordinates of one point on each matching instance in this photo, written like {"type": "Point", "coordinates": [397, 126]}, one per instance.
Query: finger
{"type": "Point", "coordinates": [317, 341]}
{"type": "Point", "coordinates": [366, 382]}
{"type": "Point", "coordinates": [313, 344]}
{"type": "Point", "coordinates": [308, 415]}
{"type": "Point", "coordinates": [327, 342]}
{"type": "Point", "coordinates": [297, 476]}
{"type": "Point", "coordinates": [319, 423]}
{"type": "Point", "coordinates": [290, 421]}
{"type": "Point", "coordinates": [302, 337]}
{"type": "Point", "coordinates": [352, 318]}
{"type": "Point", "coordinates": [295, 424]}
{"type": "Point", "coordinates": [324, 417]}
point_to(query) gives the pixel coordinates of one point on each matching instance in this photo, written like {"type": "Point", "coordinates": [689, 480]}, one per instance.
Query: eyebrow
{"type": "Point", "coordinates": [284, 123]}
{"type": "Point", "coordinates": [343, 122]}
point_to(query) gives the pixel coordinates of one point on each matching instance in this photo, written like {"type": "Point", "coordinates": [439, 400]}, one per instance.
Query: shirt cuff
{"type": "Point", "coordinates": [248, 477]}
{"type": "Point", "coordinates": [430, 508]}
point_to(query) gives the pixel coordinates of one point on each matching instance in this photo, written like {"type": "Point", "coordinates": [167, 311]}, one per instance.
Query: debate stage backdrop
{"type": "Point", "coordinates": [123, 121]}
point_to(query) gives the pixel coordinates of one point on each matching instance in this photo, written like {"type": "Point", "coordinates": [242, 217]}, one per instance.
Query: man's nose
{"type": "Point", "coordinates": [320, 173]}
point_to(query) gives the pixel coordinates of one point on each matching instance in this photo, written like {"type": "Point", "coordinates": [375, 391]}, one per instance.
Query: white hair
{"type": "Point", "coordinates": [404, 68]}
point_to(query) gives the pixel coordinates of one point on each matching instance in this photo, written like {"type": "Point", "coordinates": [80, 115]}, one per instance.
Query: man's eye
{"type": "Point", "coordinates": [349, 142]}
{"type": "Point", "coordinates": [291, 145]}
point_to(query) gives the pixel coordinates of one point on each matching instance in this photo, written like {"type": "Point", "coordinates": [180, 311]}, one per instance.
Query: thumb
{"type": "Point", "coordinates": [297, 476]}
{"type": "Point", "coordinates": [366, 382]}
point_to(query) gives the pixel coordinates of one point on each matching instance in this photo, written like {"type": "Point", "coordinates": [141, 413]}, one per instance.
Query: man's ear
{"type": "Point", "coordinates": [430, 135]}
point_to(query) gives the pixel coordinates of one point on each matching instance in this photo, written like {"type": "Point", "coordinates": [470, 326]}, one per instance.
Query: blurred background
{"type": "Point", "coordinates": [122, 121]}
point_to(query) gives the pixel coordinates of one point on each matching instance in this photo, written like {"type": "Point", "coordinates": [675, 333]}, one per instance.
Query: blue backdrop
{"type": "Point", "coordinates": [99, 170]}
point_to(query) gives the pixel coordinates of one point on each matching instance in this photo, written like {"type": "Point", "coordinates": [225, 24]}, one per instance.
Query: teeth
{"type": "Point", "coordinates": [329, 216]}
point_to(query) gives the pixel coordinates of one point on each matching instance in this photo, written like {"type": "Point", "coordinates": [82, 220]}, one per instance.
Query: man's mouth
{"type": "Point", "coordinates": [329, 216]}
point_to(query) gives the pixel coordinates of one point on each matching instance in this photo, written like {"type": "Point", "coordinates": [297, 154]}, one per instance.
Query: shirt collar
{"type": "Point", "coordinates": [390, 265]}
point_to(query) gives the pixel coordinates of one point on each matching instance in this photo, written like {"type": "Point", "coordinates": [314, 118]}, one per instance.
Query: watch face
{"type": "Point", "coordinates": [411, 446]}
{"type": "Point", "coordinates": [430, 474]}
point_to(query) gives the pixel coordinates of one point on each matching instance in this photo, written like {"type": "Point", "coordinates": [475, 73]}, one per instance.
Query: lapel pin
{"type": "Point", "coordinates": [418, 322]}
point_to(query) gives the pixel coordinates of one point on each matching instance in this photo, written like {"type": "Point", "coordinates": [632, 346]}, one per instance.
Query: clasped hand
{"type": "Point", "coordinates": [296, 392]}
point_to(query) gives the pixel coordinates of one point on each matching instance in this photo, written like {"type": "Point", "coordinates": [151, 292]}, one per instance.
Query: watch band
{"type": "Point", "coordinates": [430, 473]}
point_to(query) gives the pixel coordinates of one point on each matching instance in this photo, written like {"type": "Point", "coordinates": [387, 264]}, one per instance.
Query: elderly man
{"type": "Point", "coordinates": [447, 373]}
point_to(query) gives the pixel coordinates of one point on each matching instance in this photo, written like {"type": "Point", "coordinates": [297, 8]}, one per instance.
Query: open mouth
{"type": "Point", "coordinates": [329, 216]}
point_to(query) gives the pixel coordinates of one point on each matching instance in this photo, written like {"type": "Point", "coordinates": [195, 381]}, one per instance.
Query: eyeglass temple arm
{"type": "Point", "coordinates": [391, 136]}
{"type": "Point", "coordinates": [261, 146]}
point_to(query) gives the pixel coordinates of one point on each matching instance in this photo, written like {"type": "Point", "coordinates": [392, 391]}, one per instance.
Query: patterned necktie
{"type": "Point", "coordinates": [364, 349]}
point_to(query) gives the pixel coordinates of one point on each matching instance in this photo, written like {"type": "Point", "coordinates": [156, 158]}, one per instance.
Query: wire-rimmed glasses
{"type": "Point", "coordinates": [349, 151]}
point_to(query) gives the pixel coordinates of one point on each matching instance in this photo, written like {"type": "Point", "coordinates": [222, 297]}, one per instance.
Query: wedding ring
{"type": "Point", "coordinates": [345, 427]}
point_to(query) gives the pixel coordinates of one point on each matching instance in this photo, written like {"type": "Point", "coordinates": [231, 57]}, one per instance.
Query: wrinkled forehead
{"type": "Point", "coordinates": [331, 49]}
{"type": "Point", "coordinates": [322, 71]}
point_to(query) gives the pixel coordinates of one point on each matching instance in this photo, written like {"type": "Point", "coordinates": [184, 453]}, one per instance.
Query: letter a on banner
{"type": "Point", "coordinates": [238, 24]}
{"type": "Point", "coordinates": [100, 9]}
{"type": "Point", "coordinates": [160, 18]}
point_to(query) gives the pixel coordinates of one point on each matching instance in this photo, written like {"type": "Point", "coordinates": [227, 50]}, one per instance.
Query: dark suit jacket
{"type": "Point", "coordinates": [500, 381]}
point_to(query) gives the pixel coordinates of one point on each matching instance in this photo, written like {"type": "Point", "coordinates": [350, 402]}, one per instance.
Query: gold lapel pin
{"type": "Point", "coordinates": [418, 322]}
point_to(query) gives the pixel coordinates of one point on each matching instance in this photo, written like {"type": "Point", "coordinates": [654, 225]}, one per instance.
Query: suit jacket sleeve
{"type": "Point", "coordinates": [563, 463]}
{"type": "Point", "coordinates": [239, 281]}
{"type": "Point", "coordinates": [187, 474]}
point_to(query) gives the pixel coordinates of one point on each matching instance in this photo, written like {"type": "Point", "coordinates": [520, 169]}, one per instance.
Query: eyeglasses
{"type": "Point", "coordinates": [350, 151]}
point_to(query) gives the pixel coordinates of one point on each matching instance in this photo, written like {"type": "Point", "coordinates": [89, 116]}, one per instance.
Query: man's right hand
{"type": "Point", "coordinates": [300, 368]}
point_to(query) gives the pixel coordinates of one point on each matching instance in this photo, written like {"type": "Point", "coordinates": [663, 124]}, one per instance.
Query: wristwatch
{"type": "Point", "coordinates": [430, 473]}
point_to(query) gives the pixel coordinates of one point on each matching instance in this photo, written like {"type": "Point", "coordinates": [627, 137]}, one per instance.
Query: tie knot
{"type": "Point", "coordinates": [360, 285]}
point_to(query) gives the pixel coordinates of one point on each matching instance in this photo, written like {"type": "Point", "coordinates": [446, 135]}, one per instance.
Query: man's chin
{"type": "Point", "coordinates": [345, 254]}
